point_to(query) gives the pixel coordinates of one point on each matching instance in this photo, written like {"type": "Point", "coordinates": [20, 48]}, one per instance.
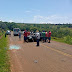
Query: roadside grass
{"type": "Point", "coordinates": [4, 58]}
{"type": "Point", "coordinates": [1, 33]}
{"type": "Point", "coordinates": [57, 39]}
{"type": "Point", "coordinates": [67, 40]}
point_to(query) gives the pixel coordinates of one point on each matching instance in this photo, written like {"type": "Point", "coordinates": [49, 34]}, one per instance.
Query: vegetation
{"type": "Point", "coordinates": [4, 60]}
{"type": "Point", "coordinates": [1, 32]}
{"type": "Point", "coordinates": [60, 31]}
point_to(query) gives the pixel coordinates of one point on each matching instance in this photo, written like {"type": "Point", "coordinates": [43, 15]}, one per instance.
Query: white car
{"type": "Point", "coordinates": [16, 31]}
{"type": "Point", "coordinates": [8, 32]}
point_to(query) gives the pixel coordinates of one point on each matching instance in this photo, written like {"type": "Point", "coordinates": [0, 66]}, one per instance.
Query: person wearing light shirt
{"type": "Point", "coordinates": [38, 38]}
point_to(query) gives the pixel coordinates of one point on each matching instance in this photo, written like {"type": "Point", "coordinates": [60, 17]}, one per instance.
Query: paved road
{"type": "Point", "coordinates": [48, 57]}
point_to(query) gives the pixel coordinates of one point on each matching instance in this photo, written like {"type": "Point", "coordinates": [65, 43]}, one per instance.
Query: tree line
{"type": "Point", "coordinates": [58, 30]}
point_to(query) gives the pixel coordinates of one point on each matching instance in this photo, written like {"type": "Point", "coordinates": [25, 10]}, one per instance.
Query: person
{"type": "Point", "coordinates": [46, 35]}
{"type": "Point", "coordinates": [28, 33]}
{"type": "Point", "coordinates": [5, 34]}
{"type": "Point", "coordinates": [31, 33]}
{"type": "Point", "coordinates": [43, 36]}
{"type": "Point", "coordinates": [49, 36]}
{"type": "Point", "coordinates": [38, 38]}
{"type": "Point", "coordinates": [25, 36]}
{"type": "Point", "coordinates": [19, 35]}
{"type": "Point", "coordinates": [10, 33]}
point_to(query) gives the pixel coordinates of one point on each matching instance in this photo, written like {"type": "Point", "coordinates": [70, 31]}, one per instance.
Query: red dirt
{"type": "Point", "coordinates": [51, 57]}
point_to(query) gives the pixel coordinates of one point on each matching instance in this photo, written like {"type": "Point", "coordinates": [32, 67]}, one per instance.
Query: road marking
{"type": "Point", "coordinates": [63, 53]}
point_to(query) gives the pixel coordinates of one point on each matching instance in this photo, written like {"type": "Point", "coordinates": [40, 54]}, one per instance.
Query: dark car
{"type": "Point", "coordinates": [30, 38]}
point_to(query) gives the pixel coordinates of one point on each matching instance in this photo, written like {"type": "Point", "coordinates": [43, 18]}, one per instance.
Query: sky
{"type": "Point", "coordinates": [36, 11]}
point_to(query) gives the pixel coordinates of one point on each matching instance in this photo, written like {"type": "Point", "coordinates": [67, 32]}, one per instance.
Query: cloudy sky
{"type": "Point", "coordinates": [36, 11]}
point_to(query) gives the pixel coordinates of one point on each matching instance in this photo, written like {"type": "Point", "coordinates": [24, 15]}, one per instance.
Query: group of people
{"type": "Point", "coordinates": [25, 34]}
{"type": "Point", "coordinates": [45, 36]}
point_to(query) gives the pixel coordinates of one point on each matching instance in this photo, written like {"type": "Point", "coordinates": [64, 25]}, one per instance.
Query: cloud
{"type": "Point", "coordinates": [19, 20]}
{"type": "Point", "coordinates": [11, 21]}
{"type": "Point", "coordinates": [52, 19]}
{"type": "Point", "coordinates": [0, 20]}
{"type": "Point", "coordinates": [33, 10]}
{"type": "Point", "coordinates": [38, 18]}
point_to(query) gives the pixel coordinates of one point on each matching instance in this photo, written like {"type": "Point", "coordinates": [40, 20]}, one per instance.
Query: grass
{"type": "Point", "coordinates": [4, 59]}
{"type": "Point", "coordinates": [57, 39]}
{"type": "Point", "coordinates": [1, 33]}
{"type": "Point", "coordinates": [67, 40]}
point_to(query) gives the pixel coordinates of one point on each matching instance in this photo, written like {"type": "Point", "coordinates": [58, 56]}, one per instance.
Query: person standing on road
{"type": "Point", "coordinates": [49, 36]}
{"type": "Point", "coordinates": [25, 36]}
{"type": "Point", "coordinates": [46, 36]}
{"type": "Point", "coordinates": [38, 38]}
{"type": "Point", "coordinates": [5, 34]}
{"type": "Point", "coordinates": [19, 35]}
{"type": "Point", "coordinates": [28, 33]}
{"type": "Point", "coordinates": [43, 36]}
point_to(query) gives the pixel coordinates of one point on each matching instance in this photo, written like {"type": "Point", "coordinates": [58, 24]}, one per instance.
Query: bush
{"type": "Point", "coordinates": [68, 39]}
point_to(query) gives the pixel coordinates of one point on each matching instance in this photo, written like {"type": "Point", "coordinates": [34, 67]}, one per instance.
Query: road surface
{"type": "Point", "coordinates": [48, 57]}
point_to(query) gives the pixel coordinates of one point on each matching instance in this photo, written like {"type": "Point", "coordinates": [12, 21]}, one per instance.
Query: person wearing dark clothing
{"type": "Point", "coordinates": [49, 36]}
{"type": "Point", "coordinates": [25, 36]}
{"type": "Point", "coordinates": [43, 36]}
{"type": "Point", "coordinates": [5, 34]}
{"type": "Point", "coordinates": [46, 36]}
{"type": "Point", "coordinates": [19, 35]}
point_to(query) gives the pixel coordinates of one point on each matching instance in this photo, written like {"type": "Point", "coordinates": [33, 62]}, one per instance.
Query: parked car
{"type": "Point", "coordinates": [34, 36]}
{"type": "Point", "coordinates": [30, 38]}
{"type": "Point", "coordinates": [16, 31]}
{"type": "Point", "coordinates": [8, 32]}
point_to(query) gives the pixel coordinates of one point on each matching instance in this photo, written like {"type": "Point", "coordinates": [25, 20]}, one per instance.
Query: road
{"type": "Point", "coordinates": [48, 57]}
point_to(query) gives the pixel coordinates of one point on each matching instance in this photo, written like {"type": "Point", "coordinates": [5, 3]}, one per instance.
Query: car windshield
{"type": "Point", "coordinates": [8, 31]}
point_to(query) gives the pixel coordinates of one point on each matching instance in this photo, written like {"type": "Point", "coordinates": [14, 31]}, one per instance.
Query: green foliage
{"type": "Point", "coordinates": [1, 32]}
{"type": "Point", "coordinates": [68, 39]}
{"type": "Point", "coordinates": [58, 30]}
{"type": "Point", "coordinates": [33, 29]}
{"type": "Point", "coordinates": [4, 64]}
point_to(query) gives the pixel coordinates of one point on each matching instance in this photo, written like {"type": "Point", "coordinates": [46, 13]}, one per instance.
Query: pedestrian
{"type": "Point", "coordinates": [43, 36]}
{"type": "Point", "coordinates": [49, 36]}
{"type": "Point", "coordinates": [38, 38]}
{"type": "Point", "coordinates": [5, 34]}
{"type": "Point", "coordinates": [46, 36]}
{"type": "Point", "coordinates": [19, 35]}
{"type": "Point", "coordinates": [25, 36]}
{"type": "Point", "coordinates": [28, 33]}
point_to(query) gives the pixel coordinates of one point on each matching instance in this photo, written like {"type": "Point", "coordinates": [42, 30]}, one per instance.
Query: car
{"type": "Point", "coordinates": [34, 36]}
{"type": "Point", "coordinates": [8, 32]}
{"type": "Point", "coordinates": [16, 31]}
{"type": "Point", "coordinates": [29, 38]}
